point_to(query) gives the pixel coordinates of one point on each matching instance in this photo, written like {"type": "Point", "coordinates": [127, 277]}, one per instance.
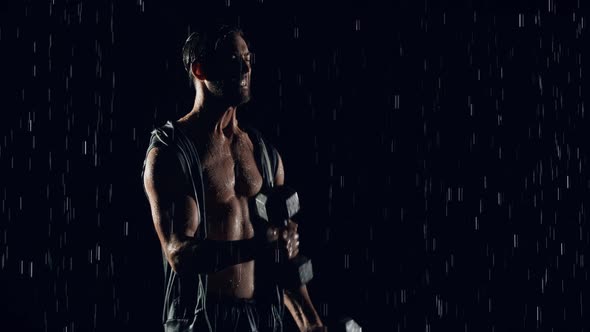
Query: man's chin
{"type": "Point", "coordinates": [245, 99]}
{"type": "Point", "coordinates": [241, 99]}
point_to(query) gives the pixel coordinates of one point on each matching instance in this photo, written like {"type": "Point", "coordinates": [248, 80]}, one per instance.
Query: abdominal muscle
{"type": "Point", "coordinates": [231, 179]}
{"type": "Point", "coordinates": [229, 222]}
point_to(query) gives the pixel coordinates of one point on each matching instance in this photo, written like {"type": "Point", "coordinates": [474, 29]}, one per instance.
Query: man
{"type": "Point", "coordinates": [203, 167]}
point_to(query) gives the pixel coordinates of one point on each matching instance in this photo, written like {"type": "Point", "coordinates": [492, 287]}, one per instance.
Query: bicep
{"type": "Point", "coordinates": [174, 212]}
{"type": "Point", "coordinates": [280, 174]}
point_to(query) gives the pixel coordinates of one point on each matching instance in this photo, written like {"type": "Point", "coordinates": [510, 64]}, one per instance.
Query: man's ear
{"type": "Point", "coordinates": [197, 70]}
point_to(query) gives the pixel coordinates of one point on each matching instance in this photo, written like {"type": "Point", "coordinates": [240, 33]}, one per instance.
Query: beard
{"type": "Point", "coordinates": [230, 91]}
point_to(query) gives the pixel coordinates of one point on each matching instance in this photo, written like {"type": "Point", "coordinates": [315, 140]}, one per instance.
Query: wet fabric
{"type": "Point", "coordinates": [185, 304]}
{"type": "Point", "coordinates": [241, 315]}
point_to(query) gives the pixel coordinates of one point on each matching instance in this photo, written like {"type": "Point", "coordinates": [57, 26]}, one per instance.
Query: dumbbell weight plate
{"type": "Point", "coordinates": [297, 271]}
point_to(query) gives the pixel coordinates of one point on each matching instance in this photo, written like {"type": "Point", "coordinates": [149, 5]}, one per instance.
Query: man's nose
{"type": "Point", "coordinates": [245, 67]}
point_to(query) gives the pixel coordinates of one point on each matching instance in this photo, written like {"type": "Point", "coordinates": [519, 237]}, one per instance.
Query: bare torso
{"type": "Point", "coordinates": [231, 178]}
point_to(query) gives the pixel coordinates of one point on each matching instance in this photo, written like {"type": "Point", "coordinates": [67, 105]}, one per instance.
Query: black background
{"type": "Point", "coordinates": [439, 150]}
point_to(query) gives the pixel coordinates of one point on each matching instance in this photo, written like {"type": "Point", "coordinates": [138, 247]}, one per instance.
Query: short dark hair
{"type": "Point", "coordinates": [202, 44]}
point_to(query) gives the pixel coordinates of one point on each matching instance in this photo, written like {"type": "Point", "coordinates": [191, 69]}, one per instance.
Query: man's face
{"type": "Point", "coordinates": [228, 73]}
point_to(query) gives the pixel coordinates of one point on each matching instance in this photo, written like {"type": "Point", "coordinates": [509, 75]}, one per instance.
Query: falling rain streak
{"type": "Point", "coordinates": [440, 155]}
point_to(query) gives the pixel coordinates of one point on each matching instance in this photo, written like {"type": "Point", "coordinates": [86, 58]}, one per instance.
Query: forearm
{"type": "Point", "coordinates": [209, 256]}
{"type": "Point", "coordinates": [301, 299]}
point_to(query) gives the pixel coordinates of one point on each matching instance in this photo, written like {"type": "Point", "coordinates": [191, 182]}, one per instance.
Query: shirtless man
{"type": "Point", "coordinates": [221, 263]}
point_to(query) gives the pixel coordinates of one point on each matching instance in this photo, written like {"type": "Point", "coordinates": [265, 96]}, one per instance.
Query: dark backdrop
{"type": "Point", "coordinates": [439, 150]}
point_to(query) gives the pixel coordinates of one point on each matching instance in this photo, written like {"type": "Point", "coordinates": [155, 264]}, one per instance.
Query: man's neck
{"type": "Point", "coordinates": [211, 117]}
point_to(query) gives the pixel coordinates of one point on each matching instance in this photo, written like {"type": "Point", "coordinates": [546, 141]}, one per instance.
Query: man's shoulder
{"type": "Point", "coordinates": [257, 136]}
{"type": "Point", "coordinates": [264, 149]}
{"type": "Point", "coordinates": [162, 161]}
{"type": "Point", "coordinates": [173, 134]}
{"type": "Point", "coordinates": [164, 134]}
{"type": "Point", "coordinates": [161, 156]}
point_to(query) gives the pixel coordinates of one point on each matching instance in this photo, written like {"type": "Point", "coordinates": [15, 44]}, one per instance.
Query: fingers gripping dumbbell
{"type": "Point", "coordinates": [276, 206]}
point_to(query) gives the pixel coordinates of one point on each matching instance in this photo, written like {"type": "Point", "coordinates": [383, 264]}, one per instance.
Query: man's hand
{"type": "Point", "coordinates": [288, 240]}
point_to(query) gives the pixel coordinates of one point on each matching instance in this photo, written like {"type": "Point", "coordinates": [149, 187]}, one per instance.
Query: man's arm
{"type": "Point", "coordinates": [176, 219]}
{"type": "Point", "coordinates": [297, 300]}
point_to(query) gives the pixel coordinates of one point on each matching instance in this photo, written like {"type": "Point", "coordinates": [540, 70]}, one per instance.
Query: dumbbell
{"type": "Point", "coordinates": [276, 206]}
{"type": "Point", "coordinates": [344, 324]}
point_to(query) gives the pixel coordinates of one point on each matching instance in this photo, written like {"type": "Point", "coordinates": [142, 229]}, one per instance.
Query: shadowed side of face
{"type": "Point", "coordinates": [227, 74]}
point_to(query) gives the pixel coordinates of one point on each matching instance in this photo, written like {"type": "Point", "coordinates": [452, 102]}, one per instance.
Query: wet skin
{"type": "Point", "coordinates": [230, 174]}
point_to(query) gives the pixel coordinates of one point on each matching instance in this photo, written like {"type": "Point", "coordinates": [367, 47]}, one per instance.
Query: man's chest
{"type": "Point", "coordinates": [230, 169]}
